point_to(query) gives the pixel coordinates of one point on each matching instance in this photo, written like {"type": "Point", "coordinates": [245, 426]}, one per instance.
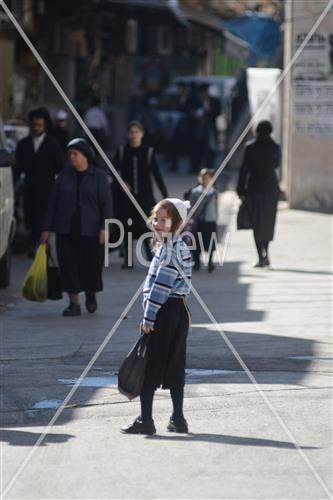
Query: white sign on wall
{"type": "Point", "coordinates": [314, 63]}
{"type": "Point", "coordinates": [313, 108]}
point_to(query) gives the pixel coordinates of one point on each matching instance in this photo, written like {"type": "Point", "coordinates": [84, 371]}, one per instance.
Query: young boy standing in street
{"type": "Point", "coordinates": [204, 217]}
{"type": "Point", "coordinates": [166, 317]}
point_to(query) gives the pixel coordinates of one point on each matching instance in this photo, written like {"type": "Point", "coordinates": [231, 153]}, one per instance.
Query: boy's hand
{"type": "Point", "coordinates": [147, 329]}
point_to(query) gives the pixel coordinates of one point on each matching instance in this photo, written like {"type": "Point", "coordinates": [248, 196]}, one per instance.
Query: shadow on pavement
{"type": "Point", "coordinates": [25, 438]}
{"type": "Point", "coordinates": [261, 352]}
{"type": "Point", "coordinates": [230, 303]}
{"type": "Point", "coordinates": [233, 440]}
{"type": "Point", "coordinates": [300, 271]}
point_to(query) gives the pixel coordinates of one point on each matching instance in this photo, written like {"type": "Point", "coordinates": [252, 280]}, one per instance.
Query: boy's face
{"type": "Point", "coordinates": [135, 136]}
{"type": "Point", "coordinates": [204, 180]}
{"type": "Point", "coordinates": [162, 222]}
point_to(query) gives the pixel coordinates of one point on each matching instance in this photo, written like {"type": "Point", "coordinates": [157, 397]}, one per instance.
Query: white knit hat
{"type": "Point", "coordinates": [181, 206]}
{"type": "Point", "coordinates": [61, 115]}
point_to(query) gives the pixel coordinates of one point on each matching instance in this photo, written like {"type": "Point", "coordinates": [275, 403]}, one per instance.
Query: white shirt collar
{"type": "Point", "coordinates": [37, 141]}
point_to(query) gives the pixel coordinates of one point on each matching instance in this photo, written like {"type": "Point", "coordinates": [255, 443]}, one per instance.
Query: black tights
{"type": "Point", "coordinates": [147, 397]}
{"type": "Point", "coordinates": [262, 249]}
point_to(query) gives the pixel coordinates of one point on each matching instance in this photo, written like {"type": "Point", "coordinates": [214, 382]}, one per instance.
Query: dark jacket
{"type": "Point", "coordinates": [39, 168]}
{"type": "Point", "coordinates": [95, 201]}
{"type": "Point", "coordinates": [136, 166]}
{"type": "Point", "coordinates": [257, 175]}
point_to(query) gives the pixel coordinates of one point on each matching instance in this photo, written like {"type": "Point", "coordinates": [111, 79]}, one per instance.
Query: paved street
{"type": "Point", "coordinates": [279, 321]}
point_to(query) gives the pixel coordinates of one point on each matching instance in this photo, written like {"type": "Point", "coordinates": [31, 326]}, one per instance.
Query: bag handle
{"type": "Point", "coordinates": [50, 257]}
{"type": "Point", "coordinates": [144, 341]}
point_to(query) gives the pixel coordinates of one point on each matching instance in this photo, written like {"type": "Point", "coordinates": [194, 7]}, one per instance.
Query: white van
{"type": "Point", "coordinates": [7, 220]}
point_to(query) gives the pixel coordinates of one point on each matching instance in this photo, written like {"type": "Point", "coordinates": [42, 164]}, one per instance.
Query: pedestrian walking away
{"type": "Point", "coordinates": [166, 317]}
{"type": "Point", "coordinates": [40, 159]}
{"type": "Point", "coordinates": [80, 202]}
{"type": "Point", "coordinates": [258, 185]}
{"type": "Point", "coordinates": [136, 164]}
{"type": "Point", "coordinates": [204, 220]}
{"type": "Point", "coordinates": [97, 121]}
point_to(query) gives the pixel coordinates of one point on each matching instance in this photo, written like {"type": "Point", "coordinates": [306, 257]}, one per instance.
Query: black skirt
{"type": "Point", "coordinates": [263, 208]}
{"type": "Point", "coordinates": [80, 261]}
{"type": "Point", "coordinates": [167, 346]}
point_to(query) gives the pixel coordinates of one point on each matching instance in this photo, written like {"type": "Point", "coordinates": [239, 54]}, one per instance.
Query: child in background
{"type": "Point", "coordinates": [166, 317]}
{"type": "Point", "coordinates": [205, 217]}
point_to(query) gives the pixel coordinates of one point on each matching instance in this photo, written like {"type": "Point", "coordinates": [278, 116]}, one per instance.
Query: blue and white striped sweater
{"type": "Point", "coordinates": [165, 277]}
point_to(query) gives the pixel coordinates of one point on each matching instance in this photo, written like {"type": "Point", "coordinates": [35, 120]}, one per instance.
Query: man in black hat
{"type": "Point", "coordinates": [40, 159]}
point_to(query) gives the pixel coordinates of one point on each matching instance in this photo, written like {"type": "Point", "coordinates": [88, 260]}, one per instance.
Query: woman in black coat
{"type": "Point", "coordinates": [136, 164]}
{"type": "Point", "coordinates": [258, 183]}
{"type": "Point", "coordinates": [79, 204]}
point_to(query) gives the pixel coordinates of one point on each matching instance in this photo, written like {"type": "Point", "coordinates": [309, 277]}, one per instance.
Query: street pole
{"type": "Point", "coordinates": [287, 101]}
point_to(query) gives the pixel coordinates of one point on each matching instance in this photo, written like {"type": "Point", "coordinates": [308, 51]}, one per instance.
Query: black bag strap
{"type": "Point", "coordinates": [143, 342]}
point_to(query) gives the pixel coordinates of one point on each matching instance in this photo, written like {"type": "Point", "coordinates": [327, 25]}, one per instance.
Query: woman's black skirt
{"type": "Point", "coordinates": [167, 346]}
{"type": "Point", "coordinates": [80, 261]}
{"type": "Point", "coordinates": [263, 214]}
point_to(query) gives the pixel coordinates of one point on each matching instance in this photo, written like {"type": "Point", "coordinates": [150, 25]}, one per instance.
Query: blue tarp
{"type": "Point", "coordinates": [260, 31]}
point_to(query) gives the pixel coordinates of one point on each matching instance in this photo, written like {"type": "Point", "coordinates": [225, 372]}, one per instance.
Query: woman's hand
{"type": "Point", "coordinates": [102, 237]}
{"type": "Point", "coordinates": [45, 236]}
{"type": "Point", "coordinates": [129, 187]}
{"type": "Point", "coordinates": [147, 329]}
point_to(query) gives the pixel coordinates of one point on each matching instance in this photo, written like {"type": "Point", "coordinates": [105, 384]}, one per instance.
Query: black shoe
{"type": "Point", "coordinates": [257, 264]}
{"type": "Point", "coordinates": [266, 262]}
{"type": "Point", "coordinates": [91, 302]}
{"type": "Point", "coordinates": [211, 267]}
{"type": "Point", "coordinates": [72, 310]}
{"type": "Point", "coordinates": [196, 267]}
{"type": "Point", "coordinates": [262, 263]}
{"type": "Point", "coordinates": [179, 426]}
{"type": "Point", "coordinates": [140, 427]}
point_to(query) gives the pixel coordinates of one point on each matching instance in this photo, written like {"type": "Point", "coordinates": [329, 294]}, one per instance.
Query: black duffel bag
{"type": "Point", "coordinates": [132, 370]}
{"type": "Point", "coordinates": [244, 216]}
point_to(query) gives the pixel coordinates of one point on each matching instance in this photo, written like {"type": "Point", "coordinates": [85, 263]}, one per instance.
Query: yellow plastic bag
{"type": "Point", "coordinates": [34, 286]}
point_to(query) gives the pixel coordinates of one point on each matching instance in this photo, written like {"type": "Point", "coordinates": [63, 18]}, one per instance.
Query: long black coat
{"type": "Point", "coordinates": [136, 166]}
{"type": "Point", "coordinates": [93, 196]}
{"type": "Point", "coordinates": [258, 182]}
{"type": "Point", "coordinates": [40, 170]}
